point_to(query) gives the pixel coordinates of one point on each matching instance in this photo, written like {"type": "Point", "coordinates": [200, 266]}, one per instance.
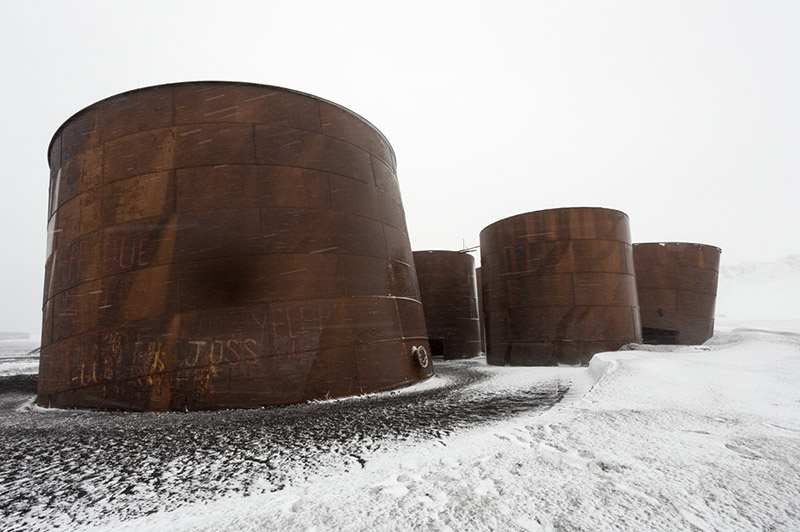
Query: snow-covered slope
{"type": "Point", "coordinates": [18, 357]}
{"type": "Point", "coordinates": [700, 438]}
{"type": "Point", "coordinates": [760, 290]}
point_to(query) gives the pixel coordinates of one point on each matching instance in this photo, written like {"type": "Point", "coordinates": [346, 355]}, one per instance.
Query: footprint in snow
{"type": "Point", "coordinates": [393, 487]}
{"type": "Point", "coordinates": [693, 519]}
{"type": "Point", "coordinates": [743, 451]}
{"type": "Point", "coordinates": [485, 487]}
{"type": "Point", "coordinates": [524, 442]}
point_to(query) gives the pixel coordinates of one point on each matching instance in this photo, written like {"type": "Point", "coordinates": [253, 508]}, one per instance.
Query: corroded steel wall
{"type": "Point", "coordinates": [479, 283]}
{"type": "Point", "coordinates": [217, 245]}
{"type": "Point", "coordinates": [677, 285]}
{"type": "Point", "coordinates": [447, 288]}
{"type": "Point", "coordinates": [559, 286]}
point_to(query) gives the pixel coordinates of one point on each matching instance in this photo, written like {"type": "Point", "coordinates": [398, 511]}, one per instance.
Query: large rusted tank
{"type": "Point", "coordinates": [479, 283]}
{"type": "Point", "coordinates": [677, 285]}
{"type": "Point", "coordinates": [220, 245]}
{"type": "Point", "coordinates": [447, 288]}
{"type": "Point", "coordinates": [558, 286]}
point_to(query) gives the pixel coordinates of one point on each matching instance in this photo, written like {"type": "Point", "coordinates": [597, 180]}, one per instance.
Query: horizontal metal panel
{"type": "Point", "coordinates": [576, 223]}
{"type": "Point", "coordinates": [78, 134]}
{"type": "Point", "coordinates": [321, 232]}
{"type": "Point", "coordinates": [136, 112]}
{"type": "Point", "coordinates": [138, 198]}
{"type": "Point", "coordinates": [211, 188]}
{"type": "Point", "coordinates": [234, 281]}
{"type": "Point", "coordinates": [80, 174]}
{"type": "Point", "coordinates": [147, 152]}
{"type": "Point", "coordinates": [214, 102]}
{"type": "Point", "coordinates": [306, 149]}
{"type": "Point", "coordinates": [337, 122]}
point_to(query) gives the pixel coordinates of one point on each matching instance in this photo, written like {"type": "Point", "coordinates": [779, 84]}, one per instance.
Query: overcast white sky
{"type": "Point", "coordinates": [683, 114]}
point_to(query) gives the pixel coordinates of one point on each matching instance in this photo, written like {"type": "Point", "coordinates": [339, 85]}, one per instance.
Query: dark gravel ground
{"type": "Point", "coordinates": [65, 468]}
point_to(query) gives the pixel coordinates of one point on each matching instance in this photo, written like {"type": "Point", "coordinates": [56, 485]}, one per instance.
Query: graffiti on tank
{"type": "Point", "coordinates": [212, 352]}
{"type": "Point", "coordinates": [293, 329]}
{"type": "Point", "coordinates": [112, 353]}
{"type": "Point", "coordinates": [71, 263]}
{"type": "Point", "coordinates": [206, 355]}
{"type": "Point", "coordinates": [84, 369]}
{"type": "Point", "coordinates": [155, 362]}
{"type": "Point", "coordinates": [130, 252]}
{"type": "Point", "coordinates": [116, 355]}
{"type": "Point", "coordinates": [71, 299]}
{"type": "Point", "coordinates": [285, 335]}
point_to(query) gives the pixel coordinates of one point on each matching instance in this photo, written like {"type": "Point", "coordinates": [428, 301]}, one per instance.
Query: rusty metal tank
{"type": "Point", "coordinates": [224, 245]}
{"type": "Point", "coordinates": [558, 286]}
{"type": "Point", "coordinates": [677, 286]}
{"type": "Point", "coordinates": [479, 283]}
{"type": "Point", "coordinates": [447, 288]}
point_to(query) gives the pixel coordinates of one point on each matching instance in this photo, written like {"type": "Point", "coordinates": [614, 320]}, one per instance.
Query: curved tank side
{"type": "Point", "coordinates": [447, 289]}
{"type": "Point", "coordinates": [223, 245]}
{"type": "Point", "coordinates": [677, 287]}
{"type": "Point", "coordinates": [559, 286]}
{"type": "Point", "coordinates": [479, 284]}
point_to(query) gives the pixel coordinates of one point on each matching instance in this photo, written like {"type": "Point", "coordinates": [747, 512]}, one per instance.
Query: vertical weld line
{"type": "Point", "coordinates": [355, 384]}
{"type": "Point", "coordinates": [341, 276]}
{"type": "Point", "coordinates": [572, 288]}
{"type": "Point", "coordinates": [262, 239]}
{"type": "Point", "coordinates": [255, 145]}
{"type": "Point", "coordinates": [399, 321]}
{"type": "Point", "coordinates": [319, 114]}
{"type": "Point", "coordinates": [60, 149]}
{"type": "Point", "coordinates": [386, 245]}
{"type": "Point", "coordinates": [174, 266]}
{"type": "Point", "coordinates": [372, 168]}
{"type": "Point", "coordinates": [174, 175]}
{"type": "Point", "coordinates": [330, 191]}
{"type": "Point", "coordinates": [102, 231]}
{"type": "Point", "coordinates": [174, 120]}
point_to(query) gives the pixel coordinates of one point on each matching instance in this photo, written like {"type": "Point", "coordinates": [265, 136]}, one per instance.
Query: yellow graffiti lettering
{"type": "Point", "coordinates": [199, 344]}
{"type": "Point", "coordinates": [156, 352]}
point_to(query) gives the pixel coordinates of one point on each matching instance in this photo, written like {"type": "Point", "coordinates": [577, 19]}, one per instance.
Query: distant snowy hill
{"type": "Point", "coordinates": [14, 336]}
{"type": "Point", "coordinates": [760, 290]}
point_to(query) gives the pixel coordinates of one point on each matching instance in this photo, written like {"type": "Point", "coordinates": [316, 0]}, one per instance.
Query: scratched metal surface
{"type": "Point", "coordinates": [677, 286]}
{"type": "Point", "coordinates": [217, 245]}
{"type": "Point", "coordinates": [81, 468]}
{"type": "Point", "coordinates": [558, 286]}
{"type": "Point", "coordinates": [447, 288]}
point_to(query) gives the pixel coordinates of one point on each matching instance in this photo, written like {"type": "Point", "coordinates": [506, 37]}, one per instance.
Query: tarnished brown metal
{"type": "Point", "coordinates": [677, 286]}
{"type": "Point", "coordinates": [218, 245]}
{"type": "Point", "coordinates": [479, 284]}
{"type": "Point", "coordinates": [447, 288]}
{"type": "Point", "coordinates": [558, 286]}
